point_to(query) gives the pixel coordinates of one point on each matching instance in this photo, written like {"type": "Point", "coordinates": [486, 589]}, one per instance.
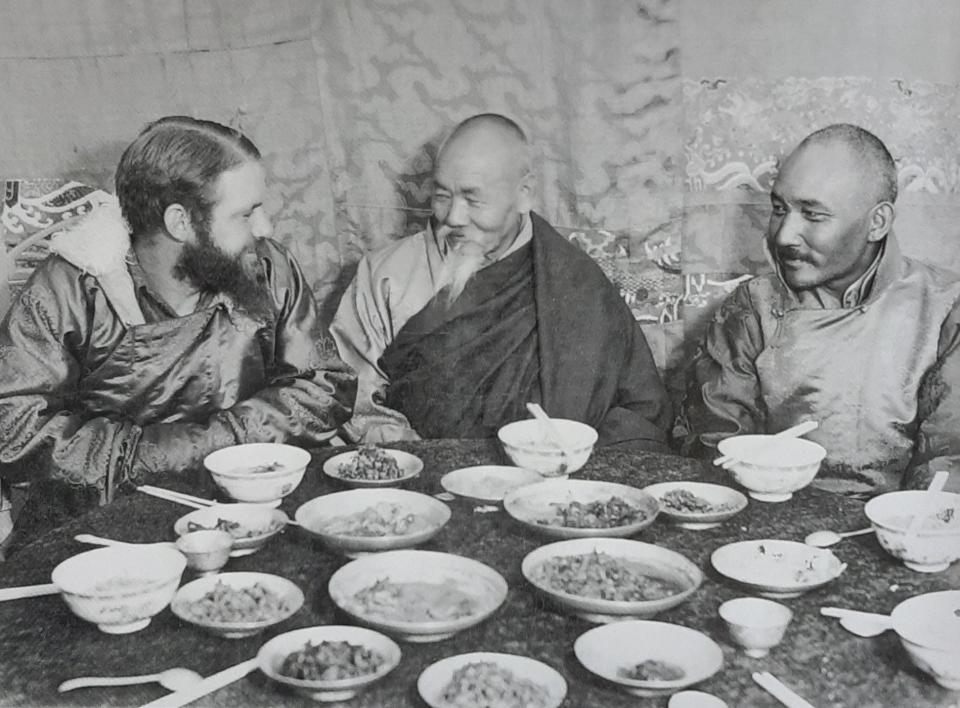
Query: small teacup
{"type": "Point", "coordinates": [756, 624]}
{"type": "Point", "coordinates": [206, 551]}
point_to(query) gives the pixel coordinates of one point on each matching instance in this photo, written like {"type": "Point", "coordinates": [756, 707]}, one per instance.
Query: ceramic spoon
{"type": "Point", "coordinates": [172, 679]}
{"type": "Point", "coordinates": [798, 430]}
{"type": "Point", "coordinates": [537, 411]}
{"type": "Point", "coordinates": [863, 624]}
{"type": "Point", "coordinates": [822, 539]}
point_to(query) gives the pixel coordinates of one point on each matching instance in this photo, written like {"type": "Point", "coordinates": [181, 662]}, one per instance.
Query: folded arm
{"type": "Point", "coordinates": [44, 433]}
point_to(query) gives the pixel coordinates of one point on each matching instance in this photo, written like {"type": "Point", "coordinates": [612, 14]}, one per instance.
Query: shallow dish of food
{"type": "Point", "coordinates": [490, 678]}
{"type": "Point", "coordinates": [929, 629]}
{"type": "Point", "coordinates": [251, 525]}
{"type": "Point", "coordinates": [528, 444]}
{"type": "Point", "coordinates": [371, 466]}
{"type": "Point", "coordinates": [235, 605]}
{"type": "Point", "coordinates": [648, 658]}
{"type": "Point", "coordinates": [329, 663]}
{"type": "Point", "coordinates": [777, 569]}
{"type": "Point", "coordinates": [418, 596]}
{"type": "Point", "coordinates": [487, 484]}
{"type": "Point", "coordinates": [119, 588]}
{"type": "Point", "coordinates": [935, 543]}
{"type": "Point", "coordinates": [611, 579]}
{"type": "Point", "coordinates": [697, 505]}
{"type": "Point", "coordinates": [771, 468]}
{"type": "Point", "coordinates": [257, 472]}
{"type": "Point", "coordinates": [361, 521]}
{"type": "Point", "coordinates": [577, 508]}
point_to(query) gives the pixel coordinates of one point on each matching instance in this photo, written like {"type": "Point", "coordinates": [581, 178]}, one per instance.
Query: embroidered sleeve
{"type": "Point", "coordinates": [41, 435]}
{"type": "Point", "coordinates": [723, 396]}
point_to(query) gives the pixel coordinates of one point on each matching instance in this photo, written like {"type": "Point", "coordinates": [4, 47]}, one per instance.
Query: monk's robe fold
{"type": "Point", "coordinates": [543, 324]}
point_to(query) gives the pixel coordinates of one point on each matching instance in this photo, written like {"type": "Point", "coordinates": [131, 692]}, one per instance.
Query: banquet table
{"type": "Point", "coordinates": [42, 643]}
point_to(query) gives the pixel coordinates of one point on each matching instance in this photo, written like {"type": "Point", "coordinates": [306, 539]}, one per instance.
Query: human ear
{"type": "Point", "coordinates": [525, 193]}
{"type": "Point", "coordinates": [881, 221]}
{"type": "Point", "coordinates": [176, 219]}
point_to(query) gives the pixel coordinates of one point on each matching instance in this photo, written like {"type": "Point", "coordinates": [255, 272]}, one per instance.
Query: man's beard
{"type": "Point", "coordinates": [211, 268]}
{"type": "Point", "coordinates": [463, 260]}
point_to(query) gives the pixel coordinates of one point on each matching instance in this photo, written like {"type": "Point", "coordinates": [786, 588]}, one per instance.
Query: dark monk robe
{"type": "Point", "coordinates": [543, 324]}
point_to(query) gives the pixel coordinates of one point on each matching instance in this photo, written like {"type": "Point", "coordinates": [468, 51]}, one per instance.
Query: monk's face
{"type": "Point", "coordinates": [481, 191]}
{"type": "Point", "coordinates": [820, 223]}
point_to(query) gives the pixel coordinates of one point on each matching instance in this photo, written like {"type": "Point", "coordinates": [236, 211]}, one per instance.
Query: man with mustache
{"type": "Point", "coordinates": [453, 330]}
{"type": "Point", "coordinates": [162, 327]}
{"type": "Point", "coordinates": [847, 331]}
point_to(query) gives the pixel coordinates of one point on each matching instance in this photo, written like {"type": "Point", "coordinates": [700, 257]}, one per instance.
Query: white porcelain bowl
{"type": "Point", "coordinates": [120, 588]}
{"type": "Point", "coordinates": [487, 484]}
{"type": "Point", "coordinates": [929, 629]}
{"type": "Point", "coordinates": [772, 468]}
{"type": "Point", "coordinates": [720, 503]}
{"type": "Point", "coordinates": [257, 472]}
{"type": "Point", "coordinates": [335, 518]}
{"type": "Point", "coordinates": [271, 656]}
{"type": "Point", "coordinates": [190, 594]}
{"type": "Point", "coordinates": [410, 466]}
{"type": "Point", "coordinates": [935, 544]}
{"type": "Point", "coordinates": [441, 573]}
{"type": "Point", "coordinates": [206, 551]}
{"type": "Point", "coordinates": [528, 444]}
{"type": "Point", "coordinates": [251, 525]}
{"type": "Point", "coordinates": [653, 561]}
{"type": "Point", "coordinates": [609, 650]}
{"type": "Point", "coordinates": [435, 679]}
{"type": "Point", "coordinates": [535, 506]}
{"type": "Point", "coordinates": [775, 568]}
{"type": "Point", "coordinates": [756, 624]}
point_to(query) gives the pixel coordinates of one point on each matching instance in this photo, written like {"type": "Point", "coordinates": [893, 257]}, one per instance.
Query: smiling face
{"type": "Point", "coordinates": [482, 188]}
{"type": "Point", "coordinates": [825, 224]}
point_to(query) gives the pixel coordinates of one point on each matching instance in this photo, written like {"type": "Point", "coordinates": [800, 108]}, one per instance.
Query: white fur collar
{"type": "Point", "coordinates": [98, 243]}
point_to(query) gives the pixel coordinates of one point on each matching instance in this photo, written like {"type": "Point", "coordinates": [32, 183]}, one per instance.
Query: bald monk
{"type": "Point", "coordinates": [846, 330]}
{"type": "Point", "coordinates": [453, 330]}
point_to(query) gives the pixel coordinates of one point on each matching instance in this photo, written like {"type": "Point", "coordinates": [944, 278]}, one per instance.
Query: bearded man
{"type": "Point", "coordinates": [453, 330]}
{"type": "Point", "coordinates": [161, 328]}
{"type": "Point", "coordinates": [846, 331]}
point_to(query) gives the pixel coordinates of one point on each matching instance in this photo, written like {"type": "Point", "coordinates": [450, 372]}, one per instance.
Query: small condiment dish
{"type": "Point", "coordinates": [756, 624]}
{"type": "Point", "coordinates": [206, 551]}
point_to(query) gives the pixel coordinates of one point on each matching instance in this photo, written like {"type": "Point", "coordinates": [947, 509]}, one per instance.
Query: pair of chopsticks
{"type": "Point", "coordinates": [728, 461]}
{"type": "Point", "coordinates": [772, 685]}
{"type": "Point", "coordinates": [208, 685]}
{"type": "Point", "coordinates": [178, 497]}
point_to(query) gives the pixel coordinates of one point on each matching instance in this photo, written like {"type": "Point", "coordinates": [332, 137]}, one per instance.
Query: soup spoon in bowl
{"type": "Point", "coordinates": [176, 679]}
{"type": "Point", "coordinates": [823, 539]}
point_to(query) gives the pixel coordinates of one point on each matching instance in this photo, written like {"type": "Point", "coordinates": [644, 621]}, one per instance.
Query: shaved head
{"type": "Point", "coordinates": [494, 133]}
{"type": "Point", "coordinates": [870, 158]}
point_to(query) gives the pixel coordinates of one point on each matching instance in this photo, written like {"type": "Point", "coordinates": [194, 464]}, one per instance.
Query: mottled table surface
{"type": "Point", "coordinates": [42, 643]}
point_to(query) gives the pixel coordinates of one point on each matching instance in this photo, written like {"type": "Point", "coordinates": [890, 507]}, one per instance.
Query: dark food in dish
{"type": "Point", "coordinates": [331, 661]}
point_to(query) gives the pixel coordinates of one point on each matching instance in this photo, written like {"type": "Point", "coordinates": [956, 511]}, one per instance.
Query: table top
{"type": "Point", "coordinates": [42, 643]}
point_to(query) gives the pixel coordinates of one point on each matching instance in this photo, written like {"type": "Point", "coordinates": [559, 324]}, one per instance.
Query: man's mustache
{"type": "Point", "coordinates": [791, 253]}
